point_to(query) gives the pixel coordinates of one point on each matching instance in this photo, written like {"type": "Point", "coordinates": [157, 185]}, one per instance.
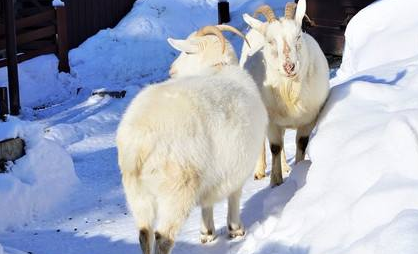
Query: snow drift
{"type": "Point", "coordinates": [37, 182]}
{"type": "Point", "coordinates": [385, 31]}
{"type": "Point", "coordinates": [361, 188]}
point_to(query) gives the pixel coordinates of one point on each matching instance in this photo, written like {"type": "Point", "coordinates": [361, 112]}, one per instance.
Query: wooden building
{"type": "Point", "coordinates": [330, 18]}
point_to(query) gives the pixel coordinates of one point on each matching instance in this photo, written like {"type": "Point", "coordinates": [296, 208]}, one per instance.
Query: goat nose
{"type": "Point", "coordinates": [289, 67]}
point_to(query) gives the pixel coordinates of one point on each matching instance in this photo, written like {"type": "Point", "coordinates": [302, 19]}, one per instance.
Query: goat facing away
{"type": "Point", "coordinates": [191, 140]}
{"type": "Point", "coordinates": [292, 74]}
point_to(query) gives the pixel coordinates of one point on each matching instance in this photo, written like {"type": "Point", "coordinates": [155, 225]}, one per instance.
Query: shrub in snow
{"type": "Point", "coordinates": [38, 181]}
{"type": "Point", "coordinates": [192, 140]}
{"type": "Point", "coordinates": [292, 73]}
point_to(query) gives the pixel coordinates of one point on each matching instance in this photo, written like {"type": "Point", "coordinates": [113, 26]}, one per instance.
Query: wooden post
{"type": "Point", "coordinates": [223, 12]}
{"type": "Point", "coordinates": [4, 104]}
{"type": "Point", "coordinates": [62, 39]}
{"type": "Point", "coordinates": [11, 52]}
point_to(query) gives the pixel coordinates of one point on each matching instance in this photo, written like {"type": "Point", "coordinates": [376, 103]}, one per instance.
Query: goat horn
{"type": "Point", "coordinates": [212, 30]}
{"type": "Point", "coordinates": [290, 10]}
{"type": "Point", "coordinates": [234, 30]}
{"type": "Point", "coordinates": [266, 11]}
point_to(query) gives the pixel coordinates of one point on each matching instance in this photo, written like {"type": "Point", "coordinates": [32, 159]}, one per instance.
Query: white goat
{"type": "Point", "coordinates": [191, 140]}
{"type": "Point", "coordinates": [293, 76]}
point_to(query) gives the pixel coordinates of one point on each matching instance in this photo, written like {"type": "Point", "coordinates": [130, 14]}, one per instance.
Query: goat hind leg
{"type": "Point", "coordinates": [235, 226]}
{"type": "Point", "coordinates": [141, 205]}
{"type": "Point", "coordinates": [207, 229]}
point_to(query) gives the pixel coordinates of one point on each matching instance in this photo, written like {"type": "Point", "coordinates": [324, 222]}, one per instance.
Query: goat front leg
{"type": "Point", "coordinates": [260, 170]}
{"type": "Point", "coordinates": [302, 139]}
{"type": "Point", "coordinates": [207, 229]}
{"type": "Point", "coordinates": [235, 226]}
{"type": "Point", "coordinates": [275, 135]}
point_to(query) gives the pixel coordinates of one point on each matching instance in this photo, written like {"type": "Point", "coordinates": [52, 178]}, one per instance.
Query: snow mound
{"type": "Point", "coordinates": [37, 182]}
{"type": "Point", "coordinates": [136, 51]}
{"type": "Point", "coordinates": [384, 31]}
{"type": "Point", "coordinates": [361, 188]}
{"type": "Point", "coordinates": [40, 83]}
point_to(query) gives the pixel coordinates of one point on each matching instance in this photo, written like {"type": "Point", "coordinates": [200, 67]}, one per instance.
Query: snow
{"type": "Point", "coordinates": [36, 183]}
{"type": "Point", "coordinates": [355, 194]}
{"type": "Point", "coordinates": [57, 3]}
{"type": "Point", "coordinates": [40, 84]}
{"type": "Point", "coordinates": [383, 32]}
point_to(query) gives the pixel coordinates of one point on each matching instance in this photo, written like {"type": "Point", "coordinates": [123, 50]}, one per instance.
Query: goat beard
{"type": "Point", "coordinates": [289, 92]}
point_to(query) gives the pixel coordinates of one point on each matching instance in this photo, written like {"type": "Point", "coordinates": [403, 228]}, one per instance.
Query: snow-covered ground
{"type": "Point", "coordinates": [356, 194]}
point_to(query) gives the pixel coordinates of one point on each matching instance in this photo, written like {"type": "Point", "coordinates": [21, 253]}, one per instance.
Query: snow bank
{"type": "Point", "coordinates": [361, 188]}
{"type": "Point", "coordinates": [40, 83]}
{"type": "Point", "coordinates": [383, 32]}
{"type": "Point", "coordinates": [136, 51]}
{"type": "Point", "coordinates": [38, 181]}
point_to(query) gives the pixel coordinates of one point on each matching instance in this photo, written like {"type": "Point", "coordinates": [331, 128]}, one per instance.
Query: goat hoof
{"type": "Point", "coordinates": [236, 233]}
{"type": "Point", "coordinates": [207, 238]}
{"type": "Point", "coordinates": [275, 182]}
{"type": "Point", "coordinates": [259, 176]}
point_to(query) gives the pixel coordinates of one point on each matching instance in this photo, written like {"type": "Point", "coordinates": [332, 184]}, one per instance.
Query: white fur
{"type": "Point", "coordinates": [191, 140]}
{"type": "Point", "coordinates": [293, 100]}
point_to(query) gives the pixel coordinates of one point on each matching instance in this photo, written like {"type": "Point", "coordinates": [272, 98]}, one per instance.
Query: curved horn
{"type": "Point", "coordinates": [266, 11]}
{"type": "Point", "coordinates": [212, 30]}
{"type": "Point", "coordinates": [290, 10]}
{"type": "Point", "coordinates": [233, 30]}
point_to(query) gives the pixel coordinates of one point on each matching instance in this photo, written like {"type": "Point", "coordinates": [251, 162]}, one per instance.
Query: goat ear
{"type": "Point", "coordinates": [257, 41]}
{"type": "Point", "coordinates": [254, 23]}
{"type": "Point", "coordinates": [183, 45]}
{"type": "Point", "coordinates": [300, 11]}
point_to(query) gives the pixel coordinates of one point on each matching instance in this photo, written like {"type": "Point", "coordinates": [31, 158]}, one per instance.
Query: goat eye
{"type": "Point", "coordinates": [298, 38]}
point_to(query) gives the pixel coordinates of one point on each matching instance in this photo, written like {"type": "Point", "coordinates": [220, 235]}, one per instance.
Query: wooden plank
{"type": "Point", "coordinates": [113, 94]}
{"type": "Point", "coordinates": [62, 39]}
{"type": "Point", "coordinates": [31, 54]}
{"type": "Point", "coordinates": [108, 13]}
{"type": "Point", "coordinates": [32, 35]}
{"type": "Point", "coordinates": [4, 103]}
{"type": "Point", "coordinates": [114, 13]}
{"type": "Point", "coordinates": [35, 45]}
{"type": "Point", "coordinates": [11, 51]}
{"type": "Point", "coordinates": [48, 15]}
{"type": "Point", "coordinates": [96, 20]}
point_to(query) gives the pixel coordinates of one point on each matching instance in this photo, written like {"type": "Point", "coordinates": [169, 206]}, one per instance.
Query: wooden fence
{"type": "Point", "coordinates": [42, 33]}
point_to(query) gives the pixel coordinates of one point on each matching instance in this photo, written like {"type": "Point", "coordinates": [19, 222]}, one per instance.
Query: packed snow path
{"type": "Point", "coordinates": [95, 218]}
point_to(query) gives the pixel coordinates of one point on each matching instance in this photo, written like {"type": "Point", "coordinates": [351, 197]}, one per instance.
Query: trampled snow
{"type": "Point", "coordinates": [354, 195]}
